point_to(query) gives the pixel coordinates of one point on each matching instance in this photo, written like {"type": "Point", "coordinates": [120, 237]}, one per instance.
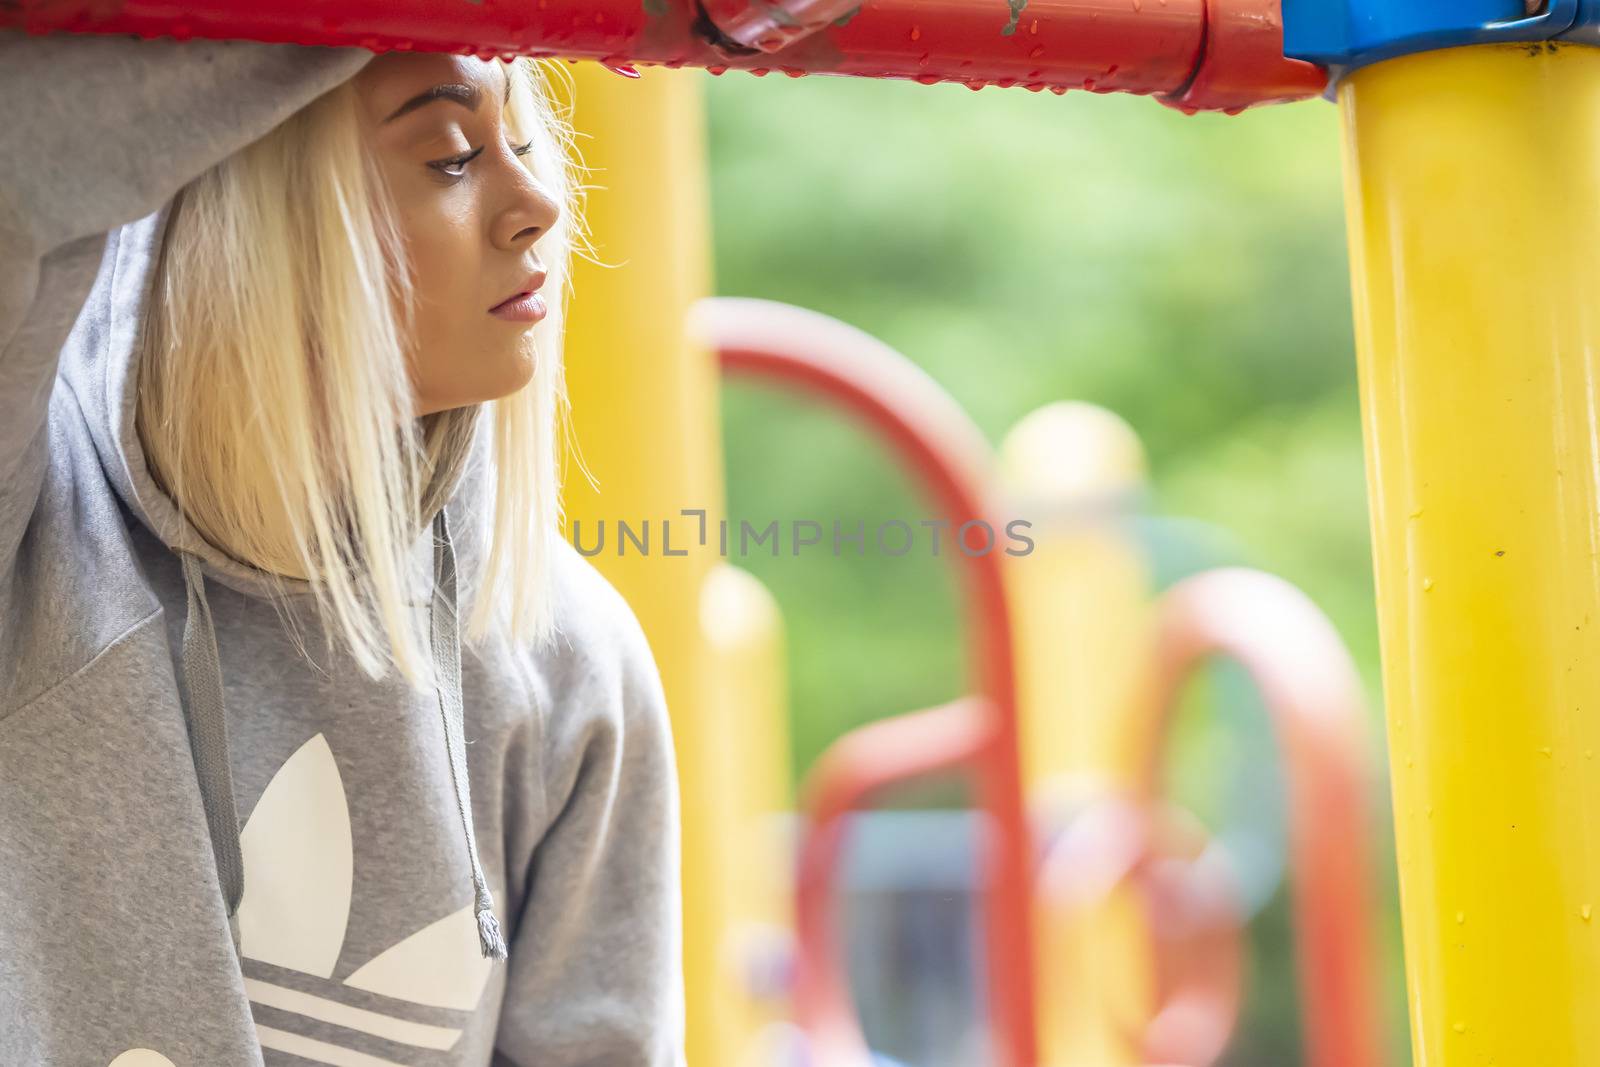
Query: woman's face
{"type": "Point", "coordinates": [471, 215]}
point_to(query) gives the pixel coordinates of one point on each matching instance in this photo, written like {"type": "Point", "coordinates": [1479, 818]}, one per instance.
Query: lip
{"type": "Point", "coordinates": [527, 307]}
{"type": "Point", "coordinates": [524, 305]}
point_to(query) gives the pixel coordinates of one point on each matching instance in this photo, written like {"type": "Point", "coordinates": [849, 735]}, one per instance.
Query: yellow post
{"type": "Point", "coordinates": [749, 715]}
{"type": "Point", "coordinates": [1081, 605]}
{"type": "Point", "coordinates": [1474, 208]}
{"type": "Point", "coordinates": [647, 429]}
{"type": "Point", "coordinates": [1081, 597]}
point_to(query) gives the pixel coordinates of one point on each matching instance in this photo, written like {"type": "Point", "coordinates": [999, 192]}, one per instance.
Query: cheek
{"type": "Point", "coordinates": [444, 253]}
{"type": "Point", "coordinates": [438, 228]}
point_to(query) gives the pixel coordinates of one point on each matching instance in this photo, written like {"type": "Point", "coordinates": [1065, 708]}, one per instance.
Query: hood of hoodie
{"type": "Point", "coordinates": [100, 364]}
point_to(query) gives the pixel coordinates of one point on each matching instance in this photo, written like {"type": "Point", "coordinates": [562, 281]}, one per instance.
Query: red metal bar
{"type": "Point", "coordinates": [1313, 698]}
{"type": "Point", "coordinates": [952, 461]}
{"type": "Point", "coordinates": [770, 25]}
{"type": "Point", "coordinates": [1198, 54]}
{"type": "Point", "coordinates": [1243, 61]}
{"type": "Point", "coordinates": [1192, 907]}
{"type": "Point", "coordinates": [854, 771]}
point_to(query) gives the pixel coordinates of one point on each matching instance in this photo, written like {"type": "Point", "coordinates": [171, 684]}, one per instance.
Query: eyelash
{"type": "Point", "coordinates": [462, 160]}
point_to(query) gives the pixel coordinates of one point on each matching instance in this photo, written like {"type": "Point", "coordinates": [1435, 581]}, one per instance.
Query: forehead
{"type": "Point", "coordinates": [391, 79]}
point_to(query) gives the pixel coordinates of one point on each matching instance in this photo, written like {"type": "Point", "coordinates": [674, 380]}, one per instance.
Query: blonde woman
{"type": "Point", "coordinates": [280, 392]}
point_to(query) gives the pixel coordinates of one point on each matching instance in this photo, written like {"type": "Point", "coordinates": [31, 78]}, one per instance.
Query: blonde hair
{"type": "Point", "coordinates": [274, 403]}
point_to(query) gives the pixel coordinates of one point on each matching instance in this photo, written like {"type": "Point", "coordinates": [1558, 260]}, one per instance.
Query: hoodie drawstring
{"type": "Point", "coordinates": [447, 668]}
{"type": "Point", "coordinates": [208, 732]}
{"type": "Point", "coordinates": [208, 739]}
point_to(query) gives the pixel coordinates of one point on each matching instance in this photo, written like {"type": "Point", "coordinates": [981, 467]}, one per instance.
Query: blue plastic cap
{"type": "Point", "coordinates": [1351, 33]}
{"type": "Point", "coordinates": [1586, 27]}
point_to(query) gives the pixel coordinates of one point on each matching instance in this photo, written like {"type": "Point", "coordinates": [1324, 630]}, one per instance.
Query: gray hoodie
{"type": "Point", "coordinates": [214, 849]}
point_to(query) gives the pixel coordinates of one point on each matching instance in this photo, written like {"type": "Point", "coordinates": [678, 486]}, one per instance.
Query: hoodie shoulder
{"type": "Point", "coordinates": [604, 683]}
{"type": "Point", "coordinates": [596, 628]}
{"type": "Point", "coordinates": [75, 586]}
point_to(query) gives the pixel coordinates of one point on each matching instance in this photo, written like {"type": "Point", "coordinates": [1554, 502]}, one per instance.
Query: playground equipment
{"type": "Point", "coordinates": [813, 353]}
{"type": "Point", "coordinates": [1311, 693]}
{"type": "Point", "coordinates": [1200, 54]}
{"type": "Point", "coordinates": [1468, 126]}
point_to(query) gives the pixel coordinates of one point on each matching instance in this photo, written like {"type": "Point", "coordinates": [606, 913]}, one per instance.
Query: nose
{"type": "Point", "coordinates": [529, 209]}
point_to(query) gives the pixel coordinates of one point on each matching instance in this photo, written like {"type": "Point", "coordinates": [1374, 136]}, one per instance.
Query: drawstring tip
{"type": "Point", "coordinates": [490, 940]}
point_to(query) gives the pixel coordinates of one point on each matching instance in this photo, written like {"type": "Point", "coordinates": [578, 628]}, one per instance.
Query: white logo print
{"type": "Point", "coordinates": [298, 881]}
{"type": "Point", "coordinates": [141, 1057]}
{"type": "Point", "coordinates": [296, 905]}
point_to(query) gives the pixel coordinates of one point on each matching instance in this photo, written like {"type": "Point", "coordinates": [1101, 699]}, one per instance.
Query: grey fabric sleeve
{"type": "Point", "coordinates": [596, 968]}
{"type": "Point", "coordinates": [100, 131]}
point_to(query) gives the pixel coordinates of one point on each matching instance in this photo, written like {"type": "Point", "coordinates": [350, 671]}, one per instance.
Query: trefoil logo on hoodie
{"type": "Point", "coordinates": [298, 877]}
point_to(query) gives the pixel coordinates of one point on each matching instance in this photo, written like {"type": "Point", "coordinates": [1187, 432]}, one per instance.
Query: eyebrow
{"type": "Point", "coordinates": [467, 96]}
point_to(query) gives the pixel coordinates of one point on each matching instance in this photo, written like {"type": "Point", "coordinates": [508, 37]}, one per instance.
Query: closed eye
{"type": "Point", "coordinates": [448, 167]}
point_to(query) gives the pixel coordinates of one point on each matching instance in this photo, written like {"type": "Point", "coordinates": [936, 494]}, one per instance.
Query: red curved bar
{"type": "Point", "coordinates": [1137, 46]}
{"type": "Point", "coordinates": [951, 460]}
{"type": "Point", "coordinates": [854, 770]}
{"type": "Point", "coordinates": [1194, 913]}
{"type": "Point", "coordinates": [1314, 700]}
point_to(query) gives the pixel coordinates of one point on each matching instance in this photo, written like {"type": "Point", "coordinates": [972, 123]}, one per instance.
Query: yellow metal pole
{"type": "Point", "coordinates": [646, 426]}
{"type": "Point", "coordinates": [748, 713]}
{"type": "Point", "coordinates": [1473, 181]}
{"type": "Point", "coordinates": [1081, 597]}
{"type": "Point", "coordinates": [1081, 601]}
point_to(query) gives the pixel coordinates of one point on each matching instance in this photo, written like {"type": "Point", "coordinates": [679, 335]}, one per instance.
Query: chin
{"type": "Point", "coordinates": [497, 391]}
{"type": "Point", "coordinates": [518, 374]}
{"type": "Point", "coordinates": [508, 384]}
{"type": "Point", "coordinates": [495, 374]}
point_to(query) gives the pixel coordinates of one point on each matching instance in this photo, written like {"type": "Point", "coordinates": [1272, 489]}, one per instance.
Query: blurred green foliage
{"type": "Point", "coordinates": [1188, 273]}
